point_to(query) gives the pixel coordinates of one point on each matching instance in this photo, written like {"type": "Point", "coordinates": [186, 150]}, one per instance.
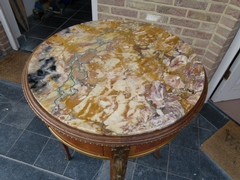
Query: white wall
{"type": "Point", "coordinates": [8, 31]}
{"type": "Point", "coordinates": [10, 18]}
{"type": "Point", "coordinates": [29, 6]}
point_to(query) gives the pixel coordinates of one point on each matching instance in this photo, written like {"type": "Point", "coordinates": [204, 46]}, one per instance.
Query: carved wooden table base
{"type": "Point", "coordinates": [118, 156]}
{"type": "Point", "coordinates": [118, 162]}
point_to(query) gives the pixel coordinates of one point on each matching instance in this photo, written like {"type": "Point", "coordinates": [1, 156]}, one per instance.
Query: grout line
{"type": "Point", "coordinates": [41, 169]}
{"type": "Point", "coordinates": [68, 161]}
{"type": "Point", "coordinates": [182, 177]}
{"type": "Point", "coordinates": [168, 161]}
{"type": "Point", "coordinates": [75, 12]}
{"type": "Point", "coordinates": [36, 24]}
{"type": "Point", "coordinates": [40, 152]}
{"type": "Point", "coordinates": [45, 26]}
{"type": "Point", "coordinates": [98, 171]}
{"type": "Point", "coordinates": [199, 149]}
{"type": "Point", "coordinates": [15, 142]}
{"type": "Point", "coordinates": [208, 122]}
{"type": "Point", "coordinates": [219, 110]}
{"type": "Point", "coordinates": [186, 147]}
{"type": "Point", "coordinates": [37, 133]}
{"type": "Point", "coordinates": [134, 168]}
{"type": "Point", "coordinates": [35, 38]}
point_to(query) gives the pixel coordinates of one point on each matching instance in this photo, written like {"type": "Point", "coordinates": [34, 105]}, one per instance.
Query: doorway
{"type": "Point", "coordinates": [78, 11]}
{"type": "Point", "coordinates": [227, 95]}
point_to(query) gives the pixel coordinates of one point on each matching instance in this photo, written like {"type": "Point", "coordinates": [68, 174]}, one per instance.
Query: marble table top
{"type": "Point", "coordinates": [116, 77]}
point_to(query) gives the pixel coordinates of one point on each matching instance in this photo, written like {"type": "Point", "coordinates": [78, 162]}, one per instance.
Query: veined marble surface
{"type": "Point", "coordinates": [116, 77]}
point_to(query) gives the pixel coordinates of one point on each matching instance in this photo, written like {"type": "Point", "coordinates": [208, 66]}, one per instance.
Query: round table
{"type": "Point", "coordinates": [115, 89]}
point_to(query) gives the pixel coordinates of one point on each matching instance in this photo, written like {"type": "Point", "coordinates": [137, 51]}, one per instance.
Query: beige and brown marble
{"type": "Point", "coordinates": [116, 77]}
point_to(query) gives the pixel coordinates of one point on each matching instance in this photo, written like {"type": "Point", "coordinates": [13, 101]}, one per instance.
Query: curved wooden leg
{"type": "Point", "coordinates": [118, 162]}
{"type": "Point", "coordinates": [68, 155]}
{"type": "Point", "coordinates": [157, 153]}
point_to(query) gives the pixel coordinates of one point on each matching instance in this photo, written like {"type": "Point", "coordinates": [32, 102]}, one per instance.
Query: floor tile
{"type": "Point", "coordinates": [133, 159]}
{"type": "Point", "coordinates": [3, 99]}
{"type": "Point", "coordinates": [151, 161]}
{"type": "Point", "coordinates": [187, 137]}
{"type": "Point", "coordinates": [33, 20]}
{"type": "Point", "coordinates": [39, 127]}
{"type": "Point", "coordinates": [28, 147]}
{"type": "Point", "coordinates": [175, 177]}
{"type": "Point", "coordinates": [87, 8]}
{"type": "Point", "coordinates": [213, 116]}
{"type": "Point", "coordinates": [53, 137]}
{"type": "Point", "coordinates": [11, 91]}
{"type": "Point", "coordinates": [71, 22]}
{"type": "Point", "coordinates": [76, 5]}
{"type": "Point", "coordinates": [82, 1]}
{"type": "Point", "coordinates": [14, 170]}
{"type": "Point", "coordinates": [23, 100]}
{"type": "Point", "coordinates": [19, 116]}
{"type": "Point", "coordinates": [104, 171]}
{"type": "Point", "coordinates": [41, 32]}
{"type": "Point", "coordinates": [5, 107]}
{"type": "Point", "coordinates": [52, 157]}
{"type": "Point", "coordinates": [67, 13]}
{"type": "Point", "coordinates": [194, 122]}
{"type": "Point", "coordinates": [8, 136]}
{"type": "Point", "coordinates": [204, 123]}
{"type": "Point", "coordinates": [82, 167]}
{"type": "Point", "coordinates": [146, 173]}
{"type": "Point", "coordinates": [184, 162]}
{"type": "Point", "coordinates": [28, 43]}
{"type": "Point", "coordinates": [54, 21]}
{"type": "Point", "coordinates": [83, 16]}
{"type": "Point", "coordinates": [204, 134]}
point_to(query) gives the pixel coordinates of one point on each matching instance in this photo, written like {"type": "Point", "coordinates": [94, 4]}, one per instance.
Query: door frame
{"type": "Point", "coordinates": [94, 10]}
{"type": "Point", "coordinates": [9, 24]}
{"type": "Point", "coordinates": [8, 17]}
{"type": "Point", "coordinates": [225, 63]}
{"type": "Point", "coordinates": [227, 88]}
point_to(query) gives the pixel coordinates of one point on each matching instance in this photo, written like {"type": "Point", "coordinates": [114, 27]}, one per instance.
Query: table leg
{"type": "Point", "coordinates": [68, 155]}
{"type": "Point", "coordinates": [156, 153]}
{"type": "Point", "coordinates": [118, 162]}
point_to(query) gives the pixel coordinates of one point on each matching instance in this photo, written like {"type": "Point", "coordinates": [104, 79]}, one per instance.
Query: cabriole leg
{"type": "Point", "coordinates": [118, 162]}
{"type": "Point", "coordinates": [68, 156]}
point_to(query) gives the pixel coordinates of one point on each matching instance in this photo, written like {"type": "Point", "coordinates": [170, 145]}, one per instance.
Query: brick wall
{"type": "Point", "coordinates": [209, 26]}
{"type": "Point", "coordinates": [5, 46]}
